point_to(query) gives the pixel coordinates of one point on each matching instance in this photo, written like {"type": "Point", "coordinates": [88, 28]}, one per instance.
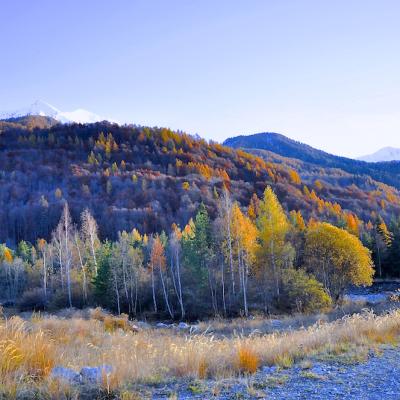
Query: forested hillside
{"type": "Point", "coordinates": [148, 178]}
{"type": "Point", "coordinates": [386, 172]}
{"type": "Point", "coordinates": [142, 220]}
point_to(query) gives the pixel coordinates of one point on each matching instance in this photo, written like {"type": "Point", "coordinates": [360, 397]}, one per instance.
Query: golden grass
{"type": "Point", "coordinates": [248, 360]}
{"type": "Point", "coordinates": [30, 349]}
{"type": "Point", "coordinates": [31, 352]}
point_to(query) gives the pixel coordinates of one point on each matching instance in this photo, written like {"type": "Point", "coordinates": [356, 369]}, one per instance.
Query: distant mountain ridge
{"type": "Point", "coordinates": [384, 154]}
{"type": "Point", "coordinates": [43, 109]}
{"type": "Point", "coordinates": [28, 122]}
{"type": "Point", "coordinates": [386, 172]}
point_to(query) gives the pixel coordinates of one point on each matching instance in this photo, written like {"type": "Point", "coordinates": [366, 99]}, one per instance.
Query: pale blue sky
{"type": "Point", "coordinates": [323, 72]}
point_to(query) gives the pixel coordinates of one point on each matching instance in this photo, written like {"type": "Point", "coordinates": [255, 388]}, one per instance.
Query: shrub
{"type": "Point", "coordinates": [303, 292]}
{"type": "Point", "coordinates": [112, 323]}
{"type": "Point", "coordinates": [98, 314]}
{"type": "Point", "coordinates": [59, 299]}
{"type": "Point", "coordinates": [32, 299]}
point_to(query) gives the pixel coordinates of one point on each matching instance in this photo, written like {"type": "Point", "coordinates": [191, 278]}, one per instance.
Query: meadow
{"type": "Point", "coordinates": [30, 349]}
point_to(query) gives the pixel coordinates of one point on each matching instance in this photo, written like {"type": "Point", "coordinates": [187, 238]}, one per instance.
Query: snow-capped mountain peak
{"type": "Point", "coordinates": [47, 110]}
{"type": "Point", "coordinates": [385, 154]}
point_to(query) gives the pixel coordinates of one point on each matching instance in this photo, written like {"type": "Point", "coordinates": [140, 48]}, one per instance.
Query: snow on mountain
{"type": "Point", "coordinates": [47, 110]}
{"type": "Point", "coordinates": [385, 154]}
{"type": "Point", "coordinates": [81, 115]}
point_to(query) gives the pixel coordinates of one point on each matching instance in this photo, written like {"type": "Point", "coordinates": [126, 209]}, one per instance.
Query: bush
{"type": "Point", "coordinates": [303, 293]}
{"type": "Point", "coordinates": [32, 299]}
{"type": "Point", "coordinates": [59, 299]}
{"type": "Point", "coordinates": [98, 314]}
{"type": "Point", "coordinates": [111, 323]}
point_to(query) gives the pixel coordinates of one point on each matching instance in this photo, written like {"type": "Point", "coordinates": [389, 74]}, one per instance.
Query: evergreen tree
{"type": "Point", "coordinates": [102, 280]}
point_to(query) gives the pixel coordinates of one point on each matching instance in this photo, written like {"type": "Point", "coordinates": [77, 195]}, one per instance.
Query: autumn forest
{"type": "Point", "coordinates": [148, 221]}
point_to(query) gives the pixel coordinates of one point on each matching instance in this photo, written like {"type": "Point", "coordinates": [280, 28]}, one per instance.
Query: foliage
{"type": "Point", "coordinates": [274, 253]}
{"type": "Point", "coordinates": [303, 293]}
{"type": "Point", "coordinates": [126, 185]}
{"type": "Point", "coordinates": [337, 258]}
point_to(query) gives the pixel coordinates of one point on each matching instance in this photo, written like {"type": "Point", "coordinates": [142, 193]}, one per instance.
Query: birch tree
{"type": "Point", "coordinates": [90, 234]}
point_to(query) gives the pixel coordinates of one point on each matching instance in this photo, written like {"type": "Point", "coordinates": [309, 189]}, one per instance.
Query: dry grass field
{"type": "Point", "coordinates": [29, 349]}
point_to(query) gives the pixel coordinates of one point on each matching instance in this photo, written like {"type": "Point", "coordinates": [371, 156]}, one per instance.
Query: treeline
{"type": "Point", "coordinates": [249, 259]}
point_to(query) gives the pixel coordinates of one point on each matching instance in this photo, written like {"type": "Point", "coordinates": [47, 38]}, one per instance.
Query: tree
{"type": "Point", "coordinates": [7, 255]}
{"type": "Point", "coordinates": [296, 235]}
{"type": "Point", "coordinates": [297, 220]}
{"type": "Point", "coordinates": [352, 224]}
{"type": "Point", "coordinates": [102, 279]}
{"type": "Point", "coordinates": [198, 255]}
{"type": "Point", "coordinates": [244, 234]}
{"type": "Point", "coordinates": [382, 241]}
{"type": "Point", "coordinates": [274, 253]}
{"type": "Point", "coordinates": [175, 249]}
{"type": "Point", "coordinates": [158, 261]}
{"type": "Point", "coordinates": [253, 208]}
{"type": "Point", "coordinates": [89, 233]}
{"type": "Point", "coordinates": [65, 235]}
{"type": "Point", "coordinates": [123, 260]}
{"type": "Point", "coordinates": [294, 177]}
{"type": "Point", "coordinates": [79, 246]}
{"type": "Point", "coordinates": [136, 267]}
{"type": "Point", "coordinates": [226, 216]}
{"type": "Point", "coordinates": [337, 258]}
{"type": "Point", "coordinates": [42, 247]}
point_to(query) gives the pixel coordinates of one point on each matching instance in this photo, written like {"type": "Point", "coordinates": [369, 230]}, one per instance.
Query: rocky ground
{"type": "Point", "coordinates": [375, 378]}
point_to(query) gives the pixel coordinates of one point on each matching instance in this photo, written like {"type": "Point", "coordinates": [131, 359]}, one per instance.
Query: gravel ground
{"type": "Point", "coordinates": [374, 379]}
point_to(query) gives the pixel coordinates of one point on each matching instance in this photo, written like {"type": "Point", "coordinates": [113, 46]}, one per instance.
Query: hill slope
{"type": "Point", "coordinates": [386, 172]}
{"type": "Point", "coordinates": [27, 122]}
{"type": "Point", "coordinates": [149, 178]}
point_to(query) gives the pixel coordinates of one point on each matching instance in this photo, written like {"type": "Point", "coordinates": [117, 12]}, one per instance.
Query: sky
{"type": "Point", "coordinates": [326, 73]}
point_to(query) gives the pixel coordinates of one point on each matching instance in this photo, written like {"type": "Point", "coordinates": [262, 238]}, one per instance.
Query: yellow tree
{"type": "Point", "coordinates": [352, 224]}
{"type": "Point", "coordinates": [244, 235]}
{"type": "Point", "coordinates": [296, 234]}
{"type": "Point", "coordinates": [158, 261]}
{"type": "Point", "coordinates": [294, 177]}
{"type": "Point", "coordinates": [274, 253]}
{"type": "Point", "coordinates": [337, 258]}
{"type": "Point", "coordinates": [297, 220]}
{"type": "Point", "coordinates": [42, 247]}
{"type": "Point", "coordinates": [383, 240]}
{"type": "Point", "coordinates": [7, 255]}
